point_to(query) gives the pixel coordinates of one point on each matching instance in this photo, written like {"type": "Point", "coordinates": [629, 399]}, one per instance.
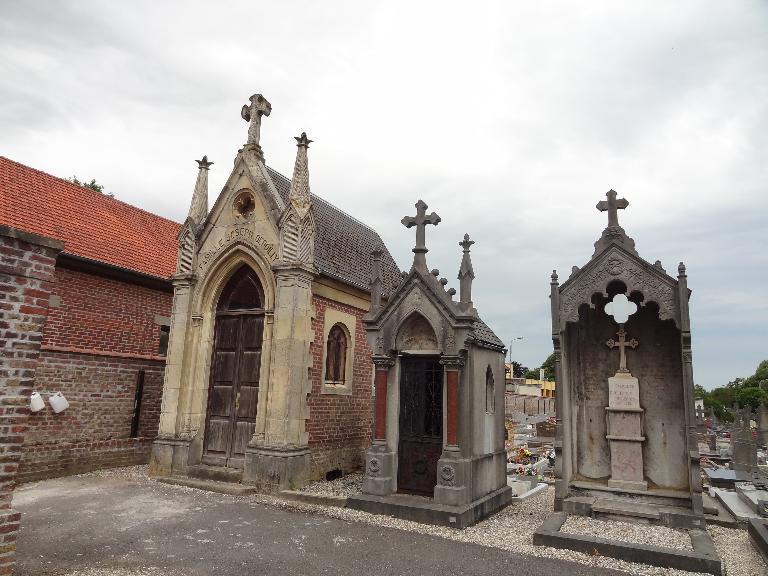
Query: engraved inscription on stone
{"type": "Point", "coordinates": [623, 392]}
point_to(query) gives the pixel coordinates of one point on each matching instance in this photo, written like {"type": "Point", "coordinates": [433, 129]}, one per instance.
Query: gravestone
{"type": "Point", "coordinates": [438, 453]}
{"type": "Point", "coordinates": [744, 444]}
{"type": "Point", "coordinates": [626, 428]}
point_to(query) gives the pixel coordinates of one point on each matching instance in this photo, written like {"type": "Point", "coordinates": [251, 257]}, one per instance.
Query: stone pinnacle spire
{"type": "Point", "coordinates": [466, 274]}
{"type": "Point", "coordinates": [198, 208]}
{"type": "Point", "coordinates": [299, 195]}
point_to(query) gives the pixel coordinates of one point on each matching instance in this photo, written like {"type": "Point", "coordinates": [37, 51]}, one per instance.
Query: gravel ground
{"type": "Point", "coordinates": [627, 532]}
{"type": "Point", "coordinates": [511, 529]}
{"type": "Point", "coordinates": [737, 552]}
{"type": "Point", "coordinates": [348, 485]}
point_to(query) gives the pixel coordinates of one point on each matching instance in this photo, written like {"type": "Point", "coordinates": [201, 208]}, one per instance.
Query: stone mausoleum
{"type": "Point", "coordinates": [438, 450]}
{"type": "Point", "coordinates": [626, 440]}
{"type": "Point", "coordinates": [269, 378]}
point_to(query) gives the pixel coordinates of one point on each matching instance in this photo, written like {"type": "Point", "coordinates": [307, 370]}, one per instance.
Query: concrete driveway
{"type": "Point", "coordinates": [102, 525]}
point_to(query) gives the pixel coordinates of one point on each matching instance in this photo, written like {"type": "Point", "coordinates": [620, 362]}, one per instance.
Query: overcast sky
{"type": "Point", "coordinates": [509, 119]}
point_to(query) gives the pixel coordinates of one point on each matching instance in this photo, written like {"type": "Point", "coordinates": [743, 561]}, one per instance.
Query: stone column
{"type": "Point", "coordinates": [27, 264]}
{"type": "Point", "coordinates": [170, 450]}
{"type": "Point", "coordinates": [453, 471]}
{"type": "Point", "coordinates": [382, 364]}
{"type": "Point", "coordinates": [762, 425]}
{"type": "Point", "coordinates": [379, 459]}
{"type": "Point", "coordinates": [280, 459]}
{"type": "Point", "coordinates": [694, 465]}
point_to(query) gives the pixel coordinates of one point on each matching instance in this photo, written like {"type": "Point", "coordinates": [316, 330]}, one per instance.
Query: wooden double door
{"type": "Point", "coordinates": [233, 390]}
{"type": "Point", "coordinates": [421, 424]}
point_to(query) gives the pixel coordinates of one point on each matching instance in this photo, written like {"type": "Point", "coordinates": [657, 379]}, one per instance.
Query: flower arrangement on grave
{"type": "Point", "coordinates": [522, 456]}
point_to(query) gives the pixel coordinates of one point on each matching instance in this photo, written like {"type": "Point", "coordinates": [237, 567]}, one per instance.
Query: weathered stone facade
{"type": "Point", "coordinates": [301, 253]}
{"type": "Point", "coordinates": [26, 272]}
{"type": "Point", "coordinates": [631, 430]}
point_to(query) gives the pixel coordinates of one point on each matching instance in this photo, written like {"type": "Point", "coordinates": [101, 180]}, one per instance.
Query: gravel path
{"type": "Point", "coordinates": [511, 529]}
{"type": "Point", "coordinates": [627, 532]}
{"type": "Point", "coordinates": [348, 485]}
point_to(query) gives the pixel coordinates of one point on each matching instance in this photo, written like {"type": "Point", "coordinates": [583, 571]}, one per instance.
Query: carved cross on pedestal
{"type": "Point", "coordinates": [252, 113]}
{"type": "Point", "coordinates": [612, 206]}
{"type": "Point", "coordinates": [621, 345]}
{"type": "Point", "coordinates": [420, 221]}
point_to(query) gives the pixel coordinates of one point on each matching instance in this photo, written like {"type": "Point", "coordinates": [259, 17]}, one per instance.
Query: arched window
{"type": "Point", "coordinates": [490, 392]}
{"type": "Point", "coordinates": [336, 355]}
{"type": "Point", "coordinates": [242, 292]}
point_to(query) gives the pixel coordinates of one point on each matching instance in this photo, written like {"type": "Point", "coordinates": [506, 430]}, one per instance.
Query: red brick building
{"type": "Point", "coordinates": [109, 306]}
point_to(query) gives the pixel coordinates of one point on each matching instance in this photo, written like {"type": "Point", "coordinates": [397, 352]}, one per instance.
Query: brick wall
{"type": "Point", "coordinates": [340, 427]}
{"type": "Point", "coordinates": [26, 272]}
{"type": "Point", "coordinates": [94, 432]}
{"type": "Point", "coordinates": [97, 338]}
{"type": "Point", "coordinates": [97, 313]}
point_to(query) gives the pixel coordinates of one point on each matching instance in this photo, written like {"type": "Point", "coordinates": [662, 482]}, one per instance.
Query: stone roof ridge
{"type": "Point", "coordinates": [86, 190]}
{"type": "Point", "coordinates": [315, 197]}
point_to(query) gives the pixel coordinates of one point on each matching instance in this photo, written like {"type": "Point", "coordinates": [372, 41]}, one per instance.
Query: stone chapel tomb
{"type": "Point", "coordinates": [438, 450]}
{"type": "Point", "coordinates": [626, 441]}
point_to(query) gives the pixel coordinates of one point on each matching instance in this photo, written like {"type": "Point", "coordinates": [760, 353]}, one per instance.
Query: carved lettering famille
{"type": "Point", "coordinates": [257, 241]}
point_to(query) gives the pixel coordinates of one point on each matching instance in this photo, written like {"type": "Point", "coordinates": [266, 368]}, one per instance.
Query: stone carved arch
{"type": "Point", "coordinates": [416, 332]}
{"type": "Point", "coordinates": [616, 265]}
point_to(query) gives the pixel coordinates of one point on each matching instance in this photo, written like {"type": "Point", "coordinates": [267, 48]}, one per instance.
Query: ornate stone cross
{"type": "Point", "coordinates": [621, 345]}
{"type": "Point", "coordinates": [612, 206]}
{"type": "Point", "coordinates": [420, 221]}
{"type": "Point", "coordinates": [259, 107]}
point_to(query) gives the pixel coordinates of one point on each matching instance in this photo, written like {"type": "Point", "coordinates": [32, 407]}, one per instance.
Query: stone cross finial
{"type": "Point", "coordinates": [612, 206]}
{"type": "Point", "coordinates": [252, 113]}
{"type": "Point", "coordinates": [204, 164]}
{"type": "Point", "coordinates": [466, 274]}
{"type": "Point", "coordinates": [420, 221]}
{"type": "Point", "coordinates": [621, 345]}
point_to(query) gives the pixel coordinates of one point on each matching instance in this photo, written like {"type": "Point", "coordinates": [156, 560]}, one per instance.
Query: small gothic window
{"type": "Point", "coordinates": [490, 396]}
{"type": "Point", "coordinates": [336, 354]}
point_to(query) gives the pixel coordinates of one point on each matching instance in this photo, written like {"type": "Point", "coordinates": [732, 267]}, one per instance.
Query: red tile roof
{"type": "Point", "coordinates": [91, 225]}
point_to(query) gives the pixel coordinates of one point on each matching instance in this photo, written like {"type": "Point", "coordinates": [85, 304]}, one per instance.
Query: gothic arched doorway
{"type": "Point", "coordinates": [233, 388]}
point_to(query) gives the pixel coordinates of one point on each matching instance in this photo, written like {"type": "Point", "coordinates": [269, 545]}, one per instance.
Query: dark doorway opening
{"type": "Point", "coordinates": [421, 424]}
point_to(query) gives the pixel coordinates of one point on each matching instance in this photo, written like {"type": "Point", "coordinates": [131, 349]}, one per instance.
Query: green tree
{"type": "Point", "coordinates": [549, 367]}
{"type": "Point", "coordinates": [93, 185]}
{"type": "Point", "coordinates": [751, 396]}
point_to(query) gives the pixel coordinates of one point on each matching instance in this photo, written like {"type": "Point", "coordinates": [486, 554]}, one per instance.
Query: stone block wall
{"type": "Point", "coordinates": [26, 273]}
{"type": "Point", "coordinates": [340, 426]}
{"type": "Point", "coordinates": [94, 432]}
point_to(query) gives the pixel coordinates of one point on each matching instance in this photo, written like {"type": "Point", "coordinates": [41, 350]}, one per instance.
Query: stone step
{"type": "Point", "coordinates": [229, 488]}
{"type": "Point", "coordinates": [217, 473]}
{"type": "Point", "coordinates": [625, 508]}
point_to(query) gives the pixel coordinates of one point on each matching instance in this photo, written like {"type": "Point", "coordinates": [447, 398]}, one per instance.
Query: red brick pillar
{"type": "Point", "coordinates": [27, 263]}
{"type": "Point", "coordinates": [382, 364]}
{"type": "Point", "coordinates": [452, 366]}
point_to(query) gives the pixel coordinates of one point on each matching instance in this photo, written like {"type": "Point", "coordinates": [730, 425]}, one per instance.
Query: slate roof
{"type": "Point", "coordinates": [485, 336]}
{"type": "Point", "coordinates": [343, 244]}
{"type": "Point", "coordinates": [91, 225]}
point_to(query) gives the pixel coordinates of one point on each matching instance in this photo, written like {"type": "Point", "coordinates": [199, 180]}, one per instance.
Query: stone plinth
{"type": "Point", "coordinates": [625, 425]}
